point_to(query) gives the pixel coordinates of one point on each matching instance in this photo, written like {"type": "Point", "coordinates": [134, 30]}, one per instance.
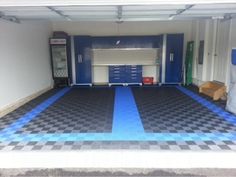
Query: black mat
{"type": "Point", "coordinates": [82, 110]}
{"type": "Point", "coordinates": [167, 110]}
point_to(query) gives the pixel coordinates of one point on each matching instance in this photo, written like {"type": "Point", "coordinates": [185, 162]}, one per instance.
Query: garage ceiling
{"type": "Point", "coordinates": [116, 10]}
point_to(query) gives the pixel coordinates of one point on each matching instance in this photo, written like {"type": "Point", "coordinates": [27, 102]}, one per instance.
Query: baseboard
{"type": "Point", "coordinates": [197, 82]}
{"type": "Point", "coordinates": [11, 107]}
{"type": "Point", "coordinates": [100, 83]}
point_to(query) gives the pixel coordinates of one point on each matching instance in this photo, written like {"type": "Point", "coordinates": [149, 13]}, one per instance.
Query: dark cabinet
{"type": "Point", "coordinates": [130, 74]}
{"type": "Point", "coordinates": [174, 58]}
{"type": "Point", "coordinates": [83, 57]}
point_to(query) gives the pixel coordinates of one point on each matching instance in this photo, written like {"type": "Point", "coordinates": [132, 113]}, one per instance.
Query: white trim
{"type": "Point", "coordinates": [107, 2]}
{"type": "Point", "coordinates": [73, 60]}
{"type": "Point", "coordinates": [215, 29]}
{"type": "Point", "coordinates": [84, 84]}
{"type": "Point", "coordinates": [118, 159]}
{"type": "Point", "coordinates": [205, 54]}
{"type": "Point", "coordinates": [171, 83]}
{"type": "Point", "coordinates": [11, 107]}
{"type": "Point", "coordinates": [195, 53]}
{"type": "Point", "coordinates": [163, 63]}
{"type": "Point", "coordinates": [228, 62]}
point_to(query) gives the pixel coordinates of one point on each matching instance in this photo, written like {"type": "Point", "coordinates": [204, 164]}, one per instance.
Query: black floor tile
{"type": "Point", "coordinates": [195, 89]}
{"type": "Point", "coordinates": [167, 110]}
{"type": "Point", "coordinates": [16, 114]}
{"type": "Point", "coordinates": [81, 110]}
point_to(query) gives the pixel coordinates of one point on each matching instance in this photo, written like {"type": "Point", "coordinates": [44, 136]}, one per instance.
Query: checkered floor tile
{"type": "Point", "coordinates": [87, 110]}
{"type": "Point", "coordinates": [81, 110]}
{"type": "Point", "coordinates": [155, 145]}
{"type": "Point", "coordinates": [167, 110]}
{"type": "Point", "coordinates": [220, 103]}
{"type": "Point", "coordinates": [8, 119]}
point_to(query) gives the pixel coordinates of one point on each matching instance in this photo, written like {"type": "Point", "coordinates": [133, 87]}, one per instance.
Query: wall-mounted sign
{"type": "Point", "coordinates": [57, 41]}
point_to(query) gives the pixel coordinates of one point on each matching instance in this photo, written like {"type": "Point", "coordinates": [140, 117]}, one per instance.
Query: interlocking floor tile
{"type": "Point", "coordinates": [80, 110]}
{"type": "Point", "coordinates": [182, 123]}
{"type": "Point", "coordinates": [16, 114]}
{"type": "Point", "coordinates": [136, 145]}
{"type": "Point", "coordinates": [167, 110]}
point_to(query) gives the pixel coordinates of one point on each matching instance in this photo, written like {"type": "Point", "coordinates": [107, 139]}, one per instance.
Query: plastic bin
{"type": "Point", "coordinates": [147, 80]}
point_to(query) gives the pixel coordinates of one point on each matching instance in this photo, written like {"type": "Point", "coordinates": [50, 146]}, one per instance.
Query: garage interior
{"type": "Point", "coordinates": [97, 76]}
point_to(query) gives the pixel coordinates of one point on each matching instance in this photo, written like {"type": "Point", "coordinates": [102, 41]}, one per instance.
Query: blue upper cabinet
{"type": "Point", "coordinates": [174, 58]}
{"type": "Point", "coordinates": [83, 57]}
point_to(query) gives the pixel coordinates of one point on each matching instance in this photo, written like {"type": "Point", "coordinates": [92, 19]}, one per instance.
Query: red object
{"type": "Point", "coordinates": [148, 80]}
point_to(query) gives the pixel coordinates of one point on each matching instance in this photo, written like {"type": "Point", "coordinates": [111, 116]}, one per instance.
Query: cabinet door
{"type": "Point", "coordinates": [174, 58]}
{"type": "Point", "coordinates": [59, 61]}
{"type": "Point", "coordinates": [83, 59]}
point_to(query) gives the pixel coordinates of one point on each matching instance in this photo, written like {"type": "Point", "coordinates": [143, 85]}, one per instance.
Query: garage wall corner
{"type": "Point", "coordinates": [24, 61]}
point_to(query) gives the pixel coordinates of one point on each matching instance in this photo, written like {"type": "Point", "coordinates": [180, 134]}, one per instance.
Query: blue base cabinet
{"type": "Point", "coordinates": [133, 74]}
{"type": "Point", "coordinates": [117, 74]}
{"type": "Point", "coordinates": [122, 74]}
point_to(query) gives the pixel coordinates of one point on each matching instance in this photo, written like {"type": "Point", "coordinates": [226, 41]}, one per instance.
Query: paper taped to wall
{"type": "Point", "coordinates": [231, 101]}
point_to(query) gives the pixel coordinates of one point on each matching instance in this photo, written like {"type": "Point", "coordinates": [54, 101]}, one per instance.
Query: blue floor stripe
{"type": "Point", "coordinates": [22, 121]}
{"type": "Point", "coordinates": [217, 110]}
{"type": "Point", "coordinates": [120, 137]}
{"type": "Point", "coordinates": [126, 117]}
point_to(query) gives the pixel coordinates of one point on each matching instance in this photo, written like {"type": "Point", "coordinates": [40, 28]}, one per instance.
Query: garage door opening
{"type": "Point", "coordinates": [117, 79]}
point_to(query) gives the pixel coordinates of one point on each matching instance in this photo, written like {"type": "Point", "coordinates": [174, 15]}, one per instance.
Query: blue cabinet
{"type": "Point", "coordinates": [125, 74]}
{"type": "Point", "coordinates": [83, 59]}
{"type": "Point", "coordinates": [174, 58]}
{"type": "Point", "coordinates": [116, 74]}
{"type": "Point", "coordinates": [233, 57]}
{"type": "Point", "coordinates": [134, 74]}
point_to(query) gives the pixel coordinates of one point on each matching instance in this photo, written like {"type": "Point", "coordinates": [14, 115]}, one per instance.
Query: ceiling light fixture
{"type": "Point", "coordinates": [9, 18]}
{"type": "Point", "coordinates": [217, 17]}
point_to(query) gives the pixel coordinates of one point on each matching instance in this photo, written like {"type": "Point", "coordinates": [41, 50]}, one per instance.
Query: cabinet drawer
{"type": "Point", "coordinates": [116, 68]}
{"type": "Point", "coordinates": [134, 80]}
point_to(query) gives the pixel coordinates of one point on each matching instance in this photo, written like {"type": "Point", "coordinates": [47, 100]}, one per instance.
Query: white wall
{"type": "Point", "coordinates": [216, 36]}
{"type": "Point", "coordinates": [24, 60]}
{"type": "Point", "coordinates": [126, 28]}
{"type": "Point", "coordinates": [202, 25]}
{"type": "Point", "coordinates": [222, 49]}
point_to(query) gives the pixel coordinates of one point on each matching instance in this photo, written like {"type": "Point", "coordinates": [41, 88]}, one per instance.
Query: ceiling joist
{"type": "Point", "coordinates": [180, 11]}
{"type": "Point", "coordinates": [59, 13]}
{"type": "Point", "coordinates": [12, 19]}
{"type": "Point", "coordinates": [120, 13]}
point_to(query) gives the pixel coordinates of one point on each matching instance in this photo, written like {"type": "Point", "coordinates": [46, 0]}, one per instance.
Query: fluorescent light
{"type": "Point", "coordinates": [171, 17]}
{"type": "Point", "coordinates": [217, 17]}
{"type": "Point", "coordinates": [117, 42]}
